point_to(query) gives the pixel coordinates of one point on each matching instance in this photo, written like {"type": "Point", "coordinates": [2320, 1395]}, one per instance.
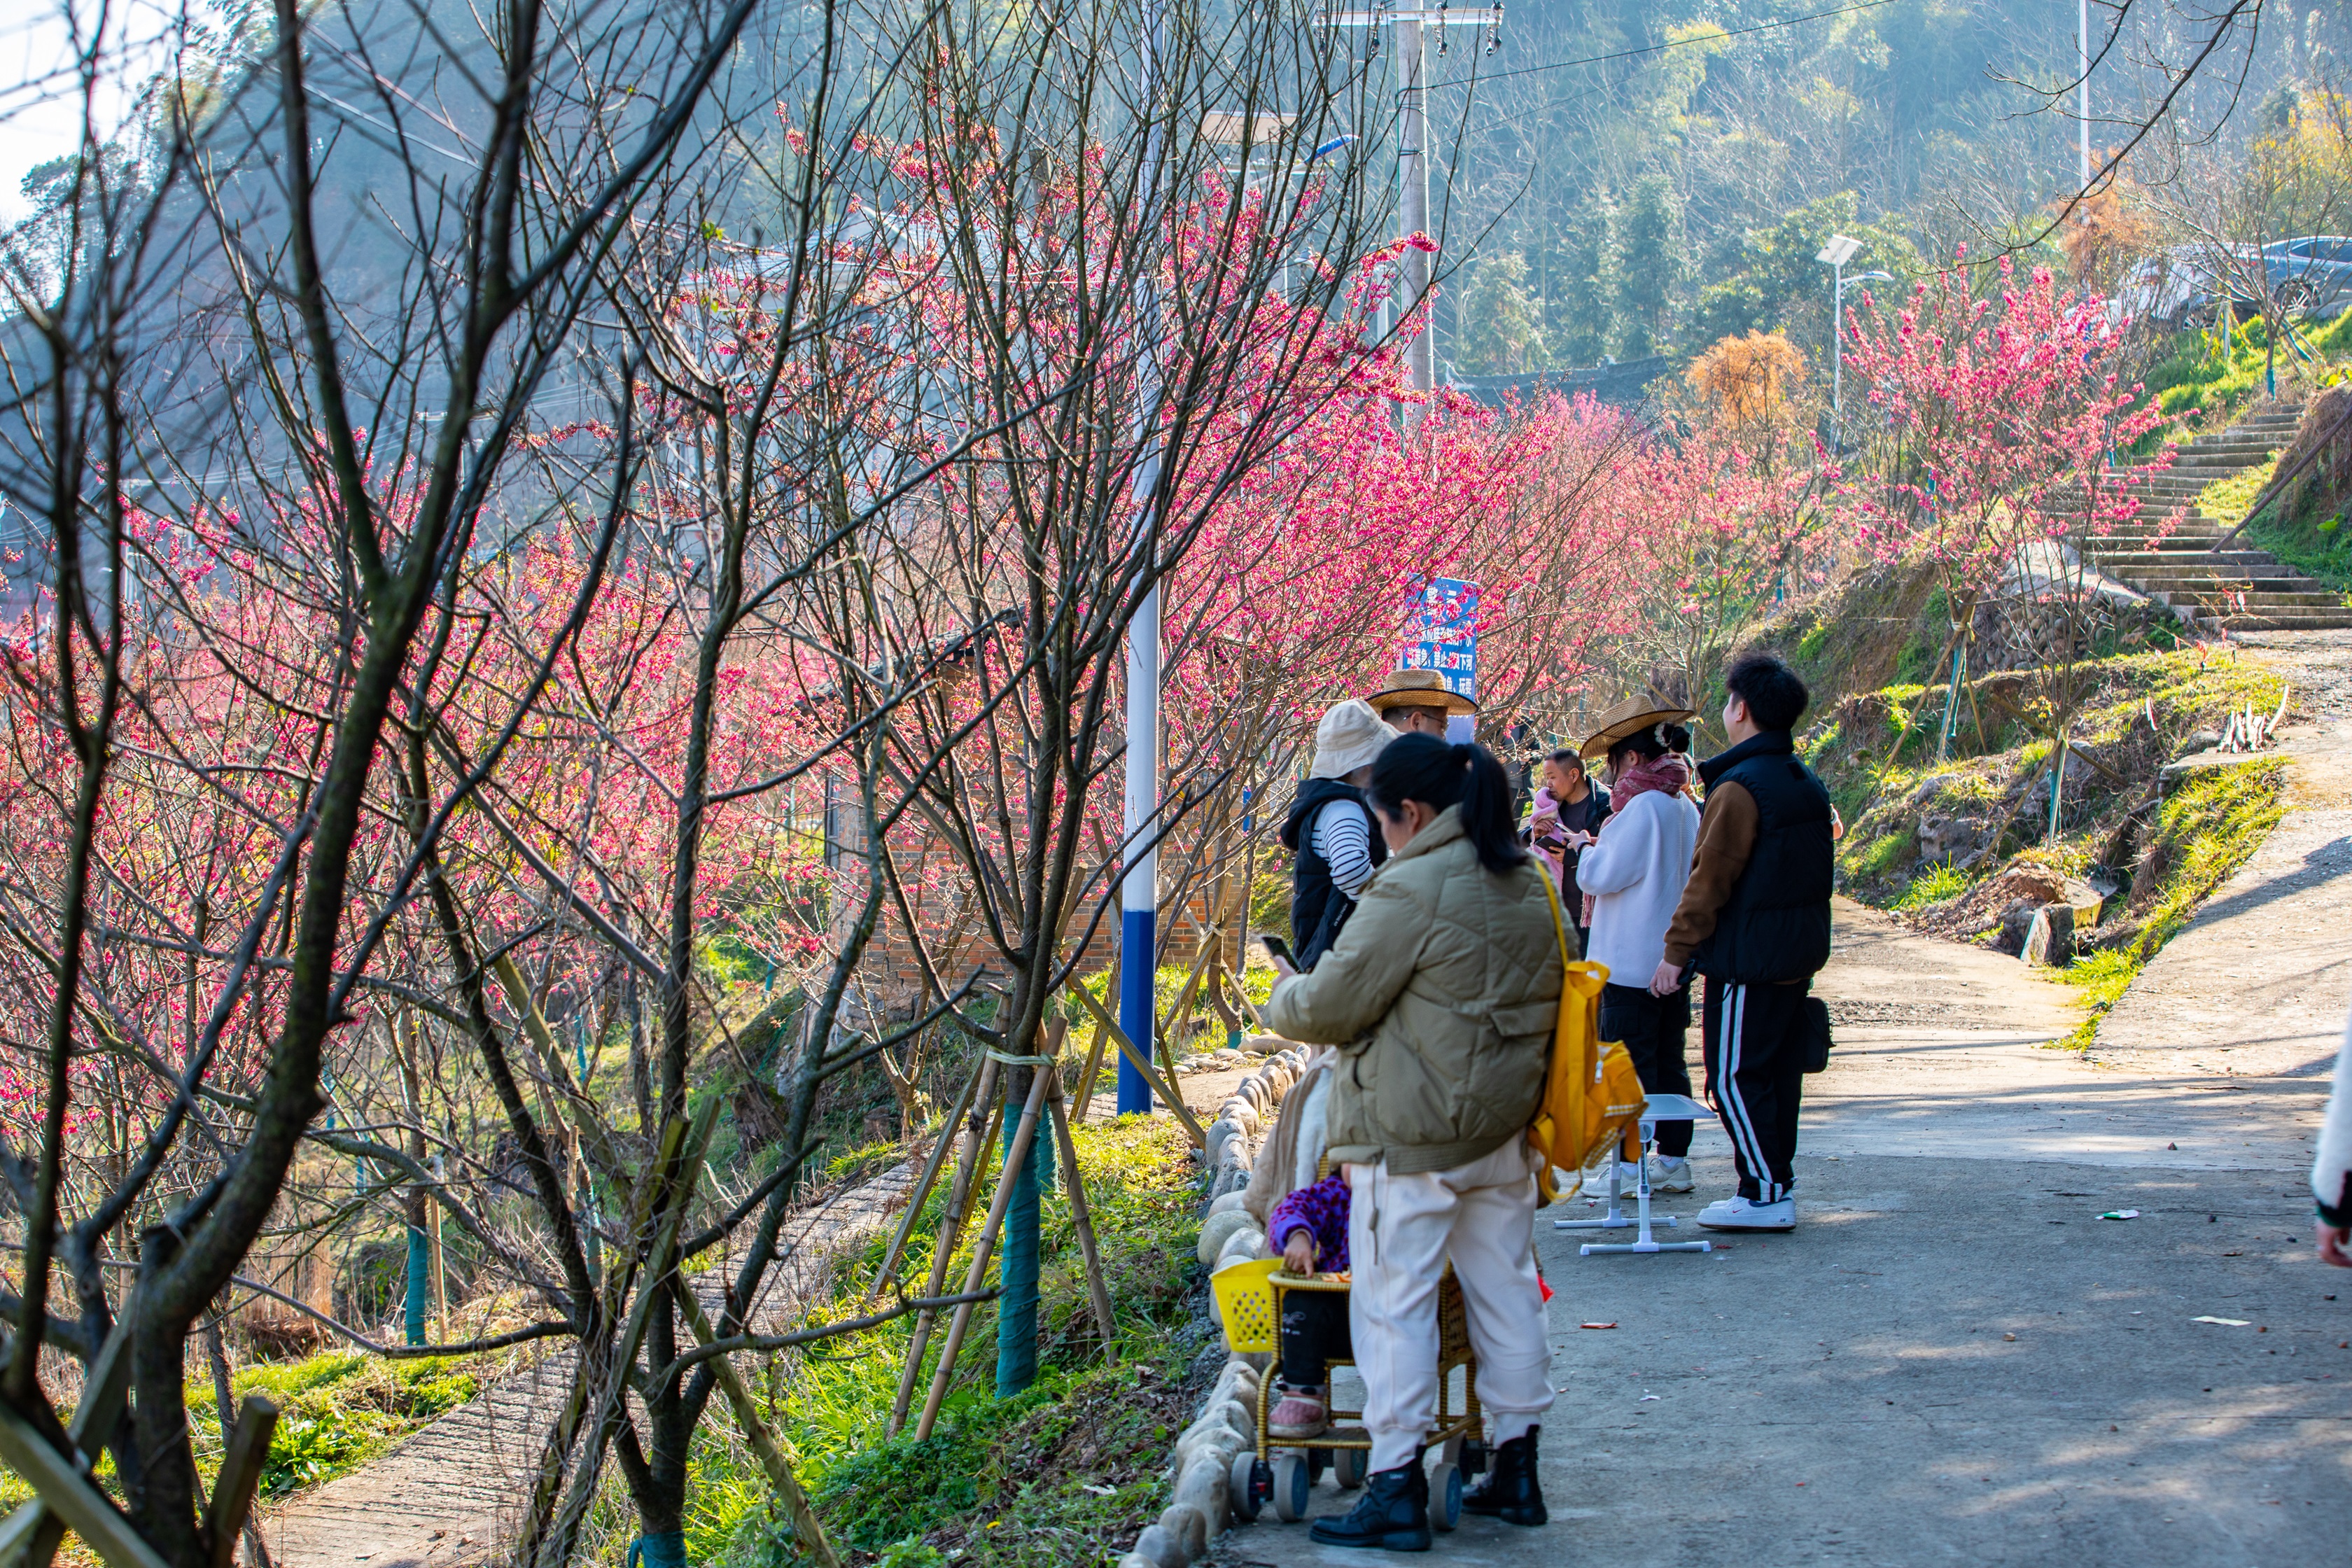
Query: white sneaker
{"type": "Point", "coordinates": [1629, 1177]}
{"type": "Point", "coordinates": [1670, 1175]}
{"type": "Point", "coordinates": [1738, 1214]}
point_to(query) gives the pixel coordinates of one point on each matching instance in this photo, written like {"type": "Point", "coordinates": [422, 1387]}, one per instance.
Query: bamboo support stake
{"type": "Point", "coordinates": [805, 1523]}
{"type": "Point", "coordinates": [1165, 1089]}
{"type": "Point", "coordinates": [973, 1089]}
{"type": "Point", "coordinates": [1014, 1158]}
{"type": "Point", "coordinates": [240, 1474]}
{"type": "Point", "coordinates": [29, 1538]}
{"type": "Point", "coordinates": [1192, 988]}
{"type": "Point", "coordinates": [1084, 1100]}
{"type": "Point", "coordinates": [969, 1170]}
{"type": "Point", "coordinates": [1084, 1220]}
{"type": "Point", "coordinates": [73, 1495]}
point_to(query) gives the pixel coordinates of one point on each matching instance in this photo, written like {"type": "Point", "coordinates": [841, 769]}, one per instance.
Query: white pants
{"type": "Point", "coordinates": [1400, 1232]}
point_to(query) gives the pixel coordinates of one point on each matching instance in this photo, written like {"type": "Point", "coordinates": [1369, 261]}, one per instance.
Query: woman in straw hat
{"type": "Point", "coordinates": [1329, 831]}
{"type": "Point", "coordinates": [1634, 872]}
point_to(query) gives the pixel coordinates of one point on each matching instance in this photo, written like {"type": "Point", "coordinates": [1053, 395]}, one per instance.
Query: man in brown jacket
{"type": "Point", "coordinates": [1755, 919]}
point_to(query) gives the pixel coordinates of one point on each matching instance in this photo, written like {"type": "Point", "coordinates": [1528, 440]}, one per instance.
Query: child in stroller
{"type": "Point", "coordinates": [1309, 1229]}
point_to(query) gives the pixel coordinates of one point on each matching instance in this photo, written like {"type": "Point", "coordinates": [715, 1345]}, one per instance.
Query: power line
{"type": "Point", "coordinates": [1680, 43]}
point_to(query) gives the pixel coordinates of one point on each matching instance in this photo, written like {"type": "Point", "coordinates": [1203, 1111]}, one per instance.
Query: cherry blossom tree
{"type": "Point", "coordinates": [1997, 417]}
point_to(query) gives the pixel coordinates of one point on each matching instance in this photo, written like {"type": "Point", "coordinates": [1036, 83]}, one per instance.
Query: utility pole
{"type": "Point", "coordinates": [2083, 60]}
{"type": "Point", "coordinates": [1413, 160]}
{"type": "Point", "coordinates": [1412, 170]}
{"type": "Point", "coordinates": [1841, 249]}
{"type": "Point", "coordinates": [1139, 892]}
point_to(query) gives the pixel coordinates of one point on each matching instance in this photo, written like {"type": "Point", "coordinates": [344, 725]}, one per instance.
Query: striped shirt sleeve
{"type": "Point", "coordinates": [1343, 836]}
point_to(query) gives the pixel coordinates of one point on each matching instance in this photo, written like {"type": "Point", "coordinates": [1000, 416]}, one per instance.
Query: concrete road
{"type": "Point", "coordinates": [1853, 1393]}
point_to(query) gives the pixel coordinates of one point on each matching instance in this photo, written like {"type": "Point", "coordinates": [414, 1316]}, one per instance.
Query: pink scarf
{"type": "Point", "coordinates": [1668, 774]}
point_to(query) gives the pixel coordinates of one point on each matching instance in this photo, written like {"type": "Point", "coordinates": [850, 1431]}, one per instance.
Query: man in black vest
{"type": "Point", "coordinates": [1755, 919]}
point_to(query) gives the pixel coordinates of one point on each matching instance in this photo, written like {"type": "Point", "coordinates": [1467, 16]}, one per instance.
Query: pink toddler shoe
{"type": "Point", "coordinates": [1300, 1414]}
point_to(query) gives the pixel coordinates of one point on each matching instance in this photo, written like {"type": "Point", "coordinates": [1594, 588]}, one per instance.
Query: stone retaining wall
{"type": "Point", "coordinates": [1226, 1426]}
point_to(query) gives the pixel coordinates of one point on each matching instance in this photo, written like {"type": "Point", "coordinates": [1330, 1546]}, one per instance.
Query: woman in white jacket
{"type": "Point", "coordinates": [2331, 1166]}
{"type": "Point", "coordinates": [1635, 870]}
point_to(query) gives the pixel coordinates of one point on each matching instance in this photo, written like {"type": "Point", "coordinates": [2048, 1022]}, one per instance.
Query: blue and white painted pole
{"type": "Point", "coordinates": [1138, 894]}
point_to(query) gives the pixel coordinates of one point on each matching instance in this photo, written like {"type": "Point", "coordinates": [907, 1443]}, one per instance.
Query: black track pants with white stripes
{"type": "Point", "coordinates": [1756, 1076]}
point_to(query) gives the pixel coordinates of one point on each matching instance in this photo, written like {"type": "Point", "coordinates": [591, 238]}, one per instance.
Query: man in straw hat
{"type": "Point", "coordinates": [1418, 699]}
{"type": "Point", "coordinates": [1635, 870]}
{"type": "Point", "coordinates": [1330, 831]}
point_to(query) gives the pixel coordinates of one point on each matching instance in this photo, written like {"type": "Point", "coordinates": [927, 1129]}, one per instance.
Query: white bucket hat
{"type": "Point", "coordinates": [1348, 736]}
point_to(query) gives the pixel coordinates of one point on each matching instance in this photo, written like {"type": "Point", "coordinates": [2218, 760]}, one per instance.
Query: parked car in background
{"type": "Point", "coordinates": [2311, 276]}
{"type": "Point", "coordinates": [2179, 288]}
{"type": "Point", "coordinates": [2171, 289]}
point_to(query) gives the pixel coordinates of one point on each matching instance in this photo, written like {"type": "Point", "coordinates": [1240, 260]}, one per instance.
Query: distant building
{"type": "Point", "coordinates": [1625, 385]}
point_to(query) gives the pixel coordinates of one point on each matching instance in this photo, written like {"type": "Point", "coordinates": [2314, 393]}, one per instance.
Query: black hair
{"type": "Point", "coordinates": [1423, 768]}
{"type": "Point", "coordinates": [1567, 758]}
{"type": "Point", "coordinates": [1775, 695]}
{"type": "Point", "coordinates": [1644, 743]}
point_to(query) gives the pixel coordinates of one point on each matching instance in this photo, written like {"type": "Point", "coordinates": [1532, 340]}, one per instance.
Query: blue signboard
{"type": "Point", "coordinates": [1444, 632]}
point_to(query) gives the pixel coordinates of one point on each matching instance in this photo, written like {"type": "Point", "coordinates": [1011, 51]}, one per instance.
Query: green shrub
{"type": "Point", "coordinates": [1937, 884]}
{"type": "Point", "coordinates": [305, 1450]}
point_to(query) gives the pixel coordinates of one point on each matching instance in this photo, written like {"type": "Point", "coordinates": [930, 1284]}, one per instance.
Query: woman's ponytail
{"type": "Point", "coordinates": [1486, 817]}
{"type": "Point", "coordinates": [1423, 768]}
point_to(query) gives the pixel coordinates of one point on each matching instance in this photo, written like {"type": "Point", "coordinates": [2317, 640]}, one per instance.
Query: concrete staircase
{"type": "Point", "coordinates": [2167, 550]}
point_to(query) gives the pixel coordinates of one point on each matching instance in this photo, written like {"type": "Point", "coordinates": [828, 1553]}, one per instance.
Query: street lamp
{"type": "Point", "coordinates": [1840, 250]}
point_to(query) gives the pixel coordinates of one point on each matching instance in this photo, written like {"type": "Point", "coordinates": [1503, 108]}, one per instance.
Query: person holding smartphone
{"type": "Point", "coordinates": [1568, 809]}
{"type": "Point", "coordinates": [1329, 831]}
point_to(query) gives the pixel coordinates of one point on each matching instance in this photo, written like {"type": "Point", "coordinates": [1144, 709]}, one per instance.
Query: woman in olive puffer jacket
{"type": "Point", "coordinates": [1441, 995]}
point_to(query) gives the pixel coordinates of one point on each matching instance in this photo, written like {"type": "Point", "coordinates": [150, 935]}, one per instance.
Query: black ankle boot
{"type": "Point", "coordinates": [1392, 1514]}
{"type": "Point", "coordinates": [1510, 1491]}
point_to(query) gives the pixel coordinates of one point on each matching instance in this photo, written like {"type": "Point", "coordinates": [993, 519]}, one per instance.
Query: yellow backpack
{"type": "Point", "coordinates": [1592, 1095]}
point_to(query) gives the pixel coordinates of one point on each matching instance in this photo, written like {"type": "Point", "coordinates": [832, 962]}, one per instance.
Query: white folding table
{"type": "Point", "coordinates": [1655, 1108]}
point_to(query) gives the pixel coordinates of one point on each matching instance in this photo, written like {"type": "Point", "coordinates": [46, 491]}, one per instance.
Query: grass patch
{"type": "Point", "coordinates": [2211, 826]}
{"type": "Point", "coordinates": [856, 1165]}
{"type": "Point", "coordinates": [341, 1409]}
{"type": "Point", "coordinates": [1065, 1472]}
{"type": "Point", "coordinates": [2101, 978]}
{"type": "Point", "coordinates": [1939, 884]}
{"type": "Point", "coordinates": [2226, 501]}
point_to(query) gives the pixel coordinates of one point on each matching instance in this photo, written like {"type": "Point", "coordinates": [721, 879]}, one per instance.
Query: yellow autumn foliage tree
{"type": "Point", "coordinates": [1748, 382]}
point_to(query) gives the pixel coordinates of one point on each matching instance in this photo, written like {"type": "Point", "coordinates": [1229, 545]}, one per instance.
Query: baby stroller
{"type": "Point", "coordinates": [1250, 1297]}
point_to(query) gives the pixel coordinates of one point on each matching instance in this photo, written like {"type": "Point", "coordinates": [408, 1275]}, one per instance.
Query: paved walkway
{"type": "Point", "coordinates": [1954, 1360]}
{"type": "Point", "coordinates": [449, 1494]}
{"type": "Point", "coordinates": [2256, 984]}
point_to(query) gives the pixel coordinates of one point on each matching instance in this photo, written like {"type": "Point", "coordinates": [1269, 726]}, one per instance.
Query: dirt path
{"type": "Point", "coordinates": [448, 1495]}
{"type": "Point", "coordinates": [1954, 1359]}
{"type": "Point", "coordinates": [2258, 983]}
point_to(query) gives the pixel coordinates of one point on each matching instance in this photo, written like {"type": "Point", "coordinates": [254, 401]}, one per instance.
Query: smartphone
{"type": "Point", "coordinates": [1276, 948]}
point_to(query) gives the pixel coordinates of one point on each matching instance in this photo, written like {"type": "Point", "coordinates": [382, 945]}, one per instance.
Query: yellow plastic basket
{"type": "Point", "coordinates": [1246, 1301]}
